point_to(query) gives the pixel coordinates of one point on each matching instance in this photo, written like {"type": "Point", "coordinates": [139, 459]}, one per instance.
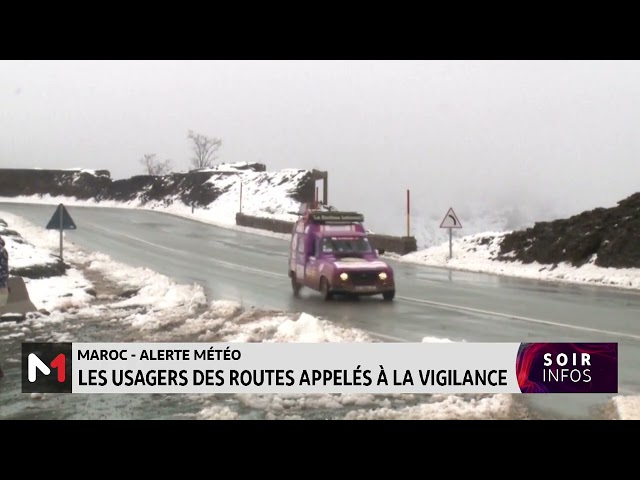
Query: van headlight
{"type": "Point", "coordinates": [382, 275]}
{"type": "Point", "coordinates": [344, 276]}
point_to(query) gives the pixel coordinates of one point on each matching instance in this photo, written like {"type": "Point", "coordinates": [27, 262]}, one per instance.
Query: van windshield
{"type": "Point", "coordinates": [345, 246]}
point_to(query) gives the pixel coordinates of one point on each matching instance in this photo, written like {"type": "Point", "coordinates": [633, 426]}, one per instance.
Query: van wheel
{"type": "Point", "coordinates": [325, 289]}
{"type": "Point", "coordinates": [295, 286]}
{"type": "Point", "coordinates": [388, 296]}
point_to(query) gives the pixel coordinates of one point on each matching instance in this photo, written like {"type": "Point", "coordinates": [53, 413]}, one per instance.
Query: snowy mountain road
{"type": "Point", "coordinates": [431, 302]}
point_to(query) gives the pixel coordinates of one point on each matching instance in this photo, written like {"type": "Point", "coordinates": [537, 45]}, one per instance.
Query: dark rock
{"type": "Point", "coordinates": [83, 185]}
{"type": "Point", "coordinates": [305, 190]}
{"type": "Point", "coordinates": [612, 234]}
{"type": "Point", "coordinates": [67, 295]}
{"type": "Point", "coordinates": [44, 311]}
{"type": "Point", "coordinates": [256, 167]}
{"type": "Point", "coordinates": [41, 271]}
{"type": "Point", "coordinates": [91, 291]}
{"type": "Point", "coordinates": [6, 232]}
{"type": "Point", "coordinates": [129, 293]}
{"type": "Point", "coordinates": [12, 317]}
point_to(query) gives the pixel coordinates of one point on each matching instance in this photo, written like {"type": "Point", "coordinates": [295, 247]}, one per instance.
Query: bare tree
{"type": "Point", "coordinates": [153, 166]}
{"type": "Point", "coordinates": [204, 149]}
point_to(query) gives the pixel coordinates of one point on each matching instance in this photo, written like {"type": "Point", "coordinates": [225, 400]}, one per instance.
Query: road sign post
{"type": "Point", "coordinates": [61, 220]}
{"type": "Point", "coordinates": [408, 214]}
{"type": "Point", "coordinates": [61, 230]}
{"type": "Point", "coordinates": [450, 222]}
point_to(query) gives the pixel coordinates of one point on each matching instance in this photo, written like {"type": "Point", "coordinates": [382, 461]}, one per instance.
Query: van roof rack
{"type": "Point", "coordinates": [334, 216]}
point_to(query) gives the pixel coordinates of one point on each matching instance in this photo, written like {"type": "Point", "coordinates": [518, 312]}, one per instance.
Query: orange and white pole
{"type": "Point", "coordinates": [408, 215]}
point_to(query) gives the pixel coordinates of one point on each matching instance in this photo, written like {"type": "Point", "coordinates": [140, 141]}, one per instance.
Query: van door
{"type": "Point", "coordinates": [311, 278]}
{"type": "Point", "coordinates": [293, 252]}
{"type": "Point", "coordinates": [300, 258]}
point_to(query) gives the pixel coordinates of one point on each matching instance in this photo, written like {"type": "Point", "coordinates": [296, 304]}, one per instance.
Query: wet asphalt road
{"type": "Point", "coordinates": [430, 302]}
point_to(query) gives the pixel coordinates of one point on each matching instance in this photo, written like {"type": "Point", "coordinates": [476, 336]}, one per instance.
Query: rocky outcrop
{"type": "Point", "coordinates": [192, 187]}
{"type": "Point", "coordinates": [197, 187]}
{"type": "Point", "coordinates": [45, 270]}
{"type": "Point", "coordinates": [608, 237]}
{"type": "Point", "coordinates": [75, 183]}
{"type": "Point", "coordinates": [305, 189]}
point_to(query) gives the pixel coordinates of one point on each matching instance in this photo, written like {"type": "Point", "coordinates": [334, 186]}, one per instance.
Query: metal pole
{"type": "Point", "coordinates": [450, 244]}
{"type": "Point", "coordinates": [325, 189]}
{"type": "Point", "coordinates": [61, 229]}
{"type": "Point", "coordinates": [317, 190]}
{"type": "Point", "coordinates": [408, 215]}
{"type": "Point", "coordinates": [240, 196]}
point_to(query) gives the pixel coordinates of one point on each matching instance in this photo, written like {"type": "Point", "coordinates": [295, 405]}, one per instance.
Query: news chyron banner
{"type": "Point", "coordinates": [320, 368]}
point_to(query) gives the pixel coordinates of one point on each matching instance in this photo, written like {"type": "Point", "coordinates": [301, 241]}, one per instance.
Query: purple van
{"type": "Point", "coordinates": [330, 252]}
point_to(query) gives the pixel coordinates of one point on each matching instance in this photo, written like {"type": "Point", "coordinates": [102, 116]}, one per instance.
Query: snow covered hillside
{"type": "Point", "coordinates": [480, 253]}
{"type": "Point", "coordinates": [214, 194]}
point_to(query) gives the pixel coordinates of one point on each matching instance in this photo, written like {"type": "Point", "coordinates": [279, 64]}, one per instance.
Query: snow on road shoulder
{"type": "Point", "coordinates": [475, 253]}
{"type": "Point", "coordinates": [29, 251]}
{"type": "Point", "coordinates": [439, 407]}
{"type": "Point", "coordinates": [22, 253]}
{"type": "Point", "coordinates": [95, 285]}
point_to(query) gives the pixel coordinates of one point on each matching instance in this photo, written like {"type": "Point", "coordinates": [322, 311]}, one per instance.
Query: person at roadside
{"type": "Point", "coordinates": [4, 273]}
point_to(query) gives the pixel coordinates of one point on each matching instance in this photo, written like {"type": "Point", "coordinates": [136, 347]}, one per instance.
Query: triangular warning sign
{"type": "Point", "coordinates": [451, 220]}
{"type": "Point", "coordinates": [64, 223]}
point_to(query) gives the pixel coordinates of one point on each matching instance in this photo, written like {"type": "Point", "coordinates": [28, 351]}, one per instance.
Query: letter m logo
{"type": "Point", "coordinates": [36, 364]}
{"type": "Point", "coordinates": [47, 368]}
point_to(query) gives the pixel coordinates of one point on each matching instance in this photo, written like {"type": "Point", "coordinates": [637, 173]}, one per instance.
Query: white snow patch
{"type": "Point", "coordinates": [475, 253]}
{"type": "Point", "coordinates": [67, 292]}
{"type": "Point", "coordinates": [217, 412]}
{"type": "Point", "coordinates": [628, 407]}
{"type": "Point", "coordinates": [308, 328]}
{"type": "Point", "coordinates": [436, 340]}
{"type": "Point", "coordinates": [452, 407]}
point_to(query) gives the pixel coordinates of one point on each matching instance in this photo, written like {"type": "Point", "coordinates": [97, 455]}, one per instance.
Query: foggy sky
{"type": "Point", "coordinates": [546, 137]}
